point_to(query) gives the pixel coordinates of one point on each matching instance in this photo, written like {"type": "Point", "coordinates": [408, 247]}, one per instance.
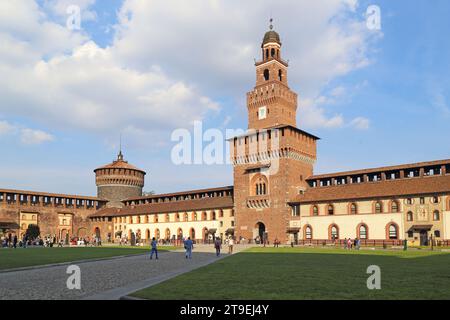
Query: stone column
{"type": "Point", "coordinates": [443, 170]}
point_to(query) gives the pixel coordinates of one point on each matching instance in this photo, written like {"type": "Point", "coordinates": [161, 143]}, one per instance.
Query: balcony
{"type": "Point", "coordinates": [258, 202]}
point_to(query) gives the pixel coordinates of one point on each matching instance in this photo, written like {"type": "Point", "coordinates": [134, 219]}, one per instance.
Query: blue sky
{"type": "Point", "coordinates": [143, 69]}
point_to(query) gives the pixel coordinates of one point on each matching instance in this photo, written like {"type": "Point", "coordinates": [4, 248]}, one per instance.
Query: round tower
{"type": "Point", "coordinates": [118, 181]}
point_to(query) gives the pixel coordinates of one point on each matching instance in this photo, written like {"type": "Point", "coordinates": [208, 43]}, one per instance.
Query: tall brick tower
{"type": "Point", "coordinates": [274, 158]}
{"type": "Point", "coordinates": [118, 181]}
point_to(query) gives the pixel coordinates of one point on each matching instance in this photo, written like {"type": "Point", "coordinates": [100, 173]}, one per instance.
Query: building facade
{"type": "Point", "coordinates": [275, 193]}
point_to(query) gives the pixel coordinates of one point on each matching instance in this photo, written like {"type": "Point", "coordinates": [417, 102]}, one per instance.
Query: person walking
{"type": "Point", "coordinates": [154, 246]}
{"type": "Point", "coordinates": [188, 246]}
{"type": "Point", "coordinates": [345, 243]}
{"type": "Point", "coordinates": [217, 246]}
{"type": "Point", "coordinates": [230, 245]}
{"type": "Point", "coordinates": [15, 242]}
{"type": "Point", "coordinates": [349, 244]}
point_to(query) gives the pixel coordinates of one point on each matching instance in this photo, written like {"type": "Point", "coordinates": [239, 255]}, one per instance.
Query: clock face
{"type": "Point", "coordinates": [262, 113]}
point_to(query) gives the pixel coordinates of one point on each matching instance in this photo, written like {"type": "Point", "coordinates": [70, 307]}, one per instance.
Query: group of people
{"type": "Point", "coordinates": [12, 241]}
{"type": "Point", "coordinates": [229, 242]}
{"type": "Point", "coordinates": [350, 244]}
{"type": "Point", "coordinates": [189, 246]}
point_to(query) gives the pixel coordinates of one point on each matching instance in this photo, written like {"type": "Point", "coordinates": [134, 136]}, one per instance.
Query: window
{"type": "Point", "coordinates": [409, 201]}
{"type": "Point", "coordinates": [334, 233]}
{"type": "Point", "coordinates": [186, 216]}
{"type": "Point", "coordinates": [330, 210]}
{"type": "Point", "coordinates": [272, 52]}
{"type": "Point", "coordinates": [436, 216]}
{"type": "Point", "coordinates": [437, 233]}
{"type": "Point", "coordinates": [435, 200]}
{"type": "Point", "coordinates": [195, 216]}
{"type": "Point", "coordinates": [308, 233]}
{"type": "Point", "coordinates": [363, 232]}
{"type": "Point", "coordinates": [296, 211]}
{"type": "Point", "coordinates": [280, 75]}
{"type": "Point", "coordinates": [315, 211]}
{"type": "Point", "coordinates": [410, 216]}
{"type": "Point", "coordinates": [422, 200]}
{"type": "Point", "coordinates": [378, 207]}
{"type": "Point", "coordinates": [393, 232]}
{"type": "Point", "coordinates": [262, 113]}
{"type": "Point", "coordinates": [353, 208]}
{"type": "Point", "coordinates": [410, 234]}
{"type": "Point", "coordinates": [395, 207]}
{"type": "Point", "coordinates": [266, 74]}
{"type": "Point", "coordinates": [167, 217]}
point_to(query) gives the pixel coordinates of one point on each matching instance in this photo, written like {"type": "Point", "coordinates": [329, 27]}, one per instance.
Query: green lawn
{"type": "Point", "coordinates": [16, 258]}
{"type": "Point", "coordinates": [309, 273]}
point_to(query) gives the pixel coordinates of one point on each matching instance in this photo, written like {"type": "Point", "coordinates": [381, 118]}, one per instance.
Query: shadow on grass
{"type": "Point", "coordinates": [310, 275]}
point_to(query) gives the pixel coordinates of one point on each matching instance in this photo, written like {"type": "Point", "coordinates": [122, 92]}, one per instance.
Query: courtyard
{"type": "Point", "coordinates": [312, 273]}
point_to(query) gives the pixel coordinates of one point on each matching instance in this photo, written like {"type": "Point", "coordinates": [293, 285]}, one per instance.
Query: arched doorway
{"type": "Point", "coordinates": [167, 234]}
{"type": "Point", "coordinates": [192, 233]}
{"type": "Point", "coordinates": [205, 234]}
{"type": "Point", "coordinates": [97, 232]}
{"type": "Point", "coordinates": [157, 234]}
{"type": "Point", "coordinates": [64, 235]}
{"type": "Point", "coordinates": [82, 233]}
{"type": "Point", "coordinates": [259, 233]}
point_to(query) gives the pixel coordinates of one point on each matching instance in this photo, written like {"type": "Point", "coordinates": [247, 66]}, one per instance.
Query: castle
{"type": "Point", "coordinates": [275, 194]}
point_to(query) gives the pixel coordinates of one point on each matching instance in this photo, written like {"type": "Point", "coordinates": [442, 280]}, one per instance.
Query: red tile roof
{"type": "Point", "coordinates": [119, 164]}
{"type": "Point", "coordinates": [46, 194]}
{"type": "Point", "coordinates": [181, 193]}
{"type": "Point", "coordinates": [380, 169]}
{"type": "Point", "coordinates": [369, 190]}
{"type": "Point", "coordinates": [166, 207]}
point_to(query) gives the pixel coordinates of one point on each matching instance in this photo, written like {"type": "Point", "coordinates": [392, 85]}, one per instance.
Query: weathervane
{"type": "Point", "coordinates": [271, 25]}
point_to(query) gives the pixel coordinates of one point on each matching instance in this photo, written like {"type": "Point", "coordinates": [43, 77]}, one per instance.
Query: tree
{"type": "Point", "coordinates": [33, 231]}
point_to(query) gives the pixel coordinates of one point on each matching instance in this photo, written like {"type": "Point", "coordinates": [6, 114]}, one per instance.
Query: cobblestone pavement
{"type": "Point", "coordinates": [106, 279]}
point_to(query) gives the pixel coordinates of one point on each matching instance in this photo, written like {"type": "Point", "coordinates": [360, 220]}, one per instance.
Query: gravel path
{"type": "Point", "coordinates": [107, 279]}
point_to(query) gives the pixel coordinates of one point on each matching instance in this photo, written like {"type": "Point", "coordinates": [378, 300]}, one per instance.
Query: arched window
{"type": "Point", "coordinates": [195, 216]}
{"type": "Point", "coordinates": [139, 219]}
{"type": "Point", "coordinates": [435, 200]}
{"type": "Point", "coordinates": [280, 75]}
{"type": "Point", "coordinates": [362, 232]}
{"type": "Point", "coordinates": [353, 208]}
{"type": "Point", "coordinates": [186, 216]}
{"type": "Point", "coordinates": [167, 217]}
{"type": "Point", "coordinates": [267, 54]}
{"type": "Point", "coordinates": [330, 210]}
{"type": "Point", "coordinates": [204, 216]}
{"type": "Point", "coordinates": [220, 213]}
{"type": "Point", "coordinates": [378, 207]}
{"type": "Point", "coordinates": [308, 233]}
{"type": "Point", "coordinates": [315, 211]}
{"type": "Point", "coordinates": [436, 215]}
{"type": "Point", "coordinates": [410, 216]}
{"type": "Point", "coordinates": [272, 52]}
{"type": "Point", "coordinates": [156, 218]}
{"type": "Point", "coordinates": [392, 232]}
{"type": "Point", "coordinates": [266, 74]}
{"type": "Point", "coordinates": [334, 232]}
{"type": "Point", "coordinates": [394, 206]}
{"type": "Point", "coordinates": [213, 215]}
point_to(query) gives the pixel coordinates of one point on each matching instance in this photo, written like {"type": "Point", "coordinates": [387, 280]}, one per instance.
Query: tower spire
{"type": "Point", "coordinates": [120, 155]}
{"type": "Point", "coordinates": [271, 24]}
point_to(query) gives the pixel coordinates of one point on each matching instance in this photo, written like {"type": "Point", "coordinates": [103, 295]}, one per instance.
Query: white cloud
{"type": "Point", "coordinates": [360, 123]}
{"type": "Point", "coordinates": [30, 136]}
{"type": "Point", "coordinates": [6, 128]}
{"type": "Point", "coordinates": [164, 58]}
{"type": "Point", "coordinates": [26, 135]}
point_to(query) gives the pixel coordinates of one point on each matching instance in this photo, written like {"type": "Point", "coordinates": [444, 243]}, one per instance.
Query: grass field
{"type": "Point", "coordinates": [308, 273]}
{"type": "Point", "coordinates": [17, 258]}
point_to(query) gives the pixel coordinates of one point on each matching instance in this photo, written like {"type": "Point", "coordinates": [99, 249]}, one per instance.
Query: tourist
{"type": "Point", "coordinates": [355, 243]}
{"type": "Point", "coordinates": [15, 241]}
{"type": "Point", "coordinates": [275, 243]}
{"type": "Point", "coordinates": [217, 246]}
{"type": "Point", "coordinates": [154, 245]}
{"type": "Point", "coordinates": [345, 243]}
{"type": "Point", "coordinates": [349, 244]}
{"type": "Point", "coordinates": [230, 245]}
{"type": "Point", "coordinates": [188, 246]}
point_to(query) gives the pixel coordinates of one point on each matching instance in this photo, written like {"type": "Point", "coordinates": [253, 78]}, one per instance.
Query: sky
{"type": "Point", "coordinates": [143, 69]}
